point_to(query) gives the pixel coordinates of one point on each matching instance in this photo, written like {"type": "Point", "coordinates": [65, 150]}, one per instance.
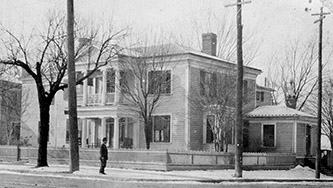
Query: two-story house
{"type": "Point", "coordinates": [103, 111]}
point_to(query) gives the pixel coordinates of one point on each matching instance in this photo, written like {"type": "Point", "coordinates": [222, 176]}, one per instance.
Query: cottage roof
{"type": "Point", "coordinates": [276, 111]}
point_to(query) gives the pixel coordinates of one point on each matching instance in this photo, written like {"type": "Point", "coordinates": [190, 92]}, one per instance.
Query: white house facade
{"type": "Point", "coordinates": [104, 112]}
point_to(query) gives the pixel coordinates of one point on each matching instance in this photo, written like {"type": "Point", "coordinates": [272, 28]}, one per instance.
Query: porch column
{"type": "Point", "coordinates": [103, 130]}
{"type": "Point", "coordinates": [93, 133]}
{"type": "Point", "coordinates": [85, 91]}
{"type": "Point", "coordinates": [104, 87]}
{"type": "Point", "coordinates": [126, 127]}
{"type": "Point", "coordinates": [117, 92]}
{"type": "Point", "coordinates": [116, 133]}
{"type": "Point", "coordinates": [84, 133]}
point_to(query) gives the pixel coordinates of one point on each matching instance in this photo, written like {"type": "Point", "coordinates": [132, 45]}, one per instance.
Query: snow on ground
{"type": "Point", "coordinates": [298, 172]}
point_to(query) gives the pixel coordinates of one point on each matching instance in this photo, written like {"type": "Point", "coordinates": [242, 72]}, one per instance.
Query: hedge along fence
{"type": "Point", "coordinates": [154, 160]}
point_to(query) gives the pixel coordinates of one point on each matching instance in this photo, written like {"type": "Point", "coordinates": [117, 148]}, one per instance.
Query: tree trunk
{"type": "Point", "coordinates": [148, 134]}
{"type": "Point", "coordinates": [43, 128]}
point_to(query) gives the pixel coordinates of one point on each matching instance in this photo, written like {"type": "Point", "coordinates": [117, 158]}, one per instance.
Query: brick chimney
{"type": "Point", "coordinates": [209, 43]}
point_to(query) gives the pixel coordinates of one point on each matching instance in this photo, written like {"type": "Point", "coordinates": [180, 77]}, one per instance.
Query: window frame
{"type": "Point", "coordinates": [208, 83]}
{"type": "Point", "coordinates": [262, 135]}
{"type": "Point", "coordinates": [260, 96]}
{"type": "Point", "coordinates": [153, 128]}
{"type": "Point", "coordinates": [110, 81]}
{"type": "Point", "coordinates": [150, 84]}
{"type": "Point", "coordinates": [208, 127]}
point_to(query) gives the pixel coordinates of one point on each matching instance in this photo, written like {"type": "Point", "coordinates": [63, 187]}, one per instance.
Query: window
{"type": "Point", "coordinates": [159, 82]}
{"type": "Point", "coordinates": [16, 131]}
{"type": "Point", "coordinates": [209, 128]}
{"type": "Point", "coordinates": [161, 128]}
{"type": "Point", "coordinates": [110, 81]}
{"type": "Point", "coordinates": [67, 131]}
{"type": "Point", "coordinates": [260, 96]}
{"type": "Point", "coordinates": [230, 131]}
{"type": "Point", "coordinates": [245, 91]}
{"type": "Point", "coordinates": [126, 81]}
{"type": "Point", "coordinates": [202, 83]}
{"type": "Point", "coordinates": [268, 135]}
{"type": "Point", "coordinates": [208, 82]}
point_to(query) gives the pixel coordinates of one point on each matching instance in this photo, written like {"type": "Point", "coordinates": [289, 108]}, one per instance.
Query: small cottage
{"type": "Point", "coordinates": [279, 129]}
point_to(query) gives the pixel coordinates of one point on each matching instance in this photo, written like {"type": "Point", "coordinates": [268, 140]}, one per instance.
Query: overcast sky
{"type": "Point", "coordinates": [273, 21]}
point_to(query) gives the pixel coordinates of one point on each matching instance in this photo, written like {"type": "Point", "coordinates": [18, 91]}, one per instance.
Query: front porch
{"type": "Point", "coordinates": [120, 132]}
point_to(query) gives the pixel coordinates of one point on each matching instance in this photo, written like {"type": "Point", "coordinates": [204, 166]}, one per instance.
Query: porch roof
{"type": "Point", "coordinates": [276, 111]}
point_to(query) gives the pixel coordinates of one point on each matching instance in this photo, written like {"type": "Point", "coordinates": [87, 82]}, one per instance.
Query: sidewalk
{"type": "Point", "coordinates": [297, 174]}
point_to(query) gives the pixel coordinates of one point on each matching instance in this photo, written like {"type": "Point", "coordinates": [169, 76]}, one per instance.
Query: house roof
{"type": "Point", "coordinates": [276, 111]}
{"type": "Point", "coordinates": [176, 49]}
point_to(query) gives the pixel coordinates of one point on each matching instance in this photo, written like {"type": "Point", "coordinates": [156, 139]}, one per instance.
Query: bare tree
{"type": "Point", "coordinates": [145, 77]}
{"type": "Point", "coordinates": [217, 98]}
{"type": "Point", "coordinates": [43, 56]}
{"type": "Point", "coordinates": [272, 80]}
{"type": "Point", "coordinates": [297, 69]}
{"type": "Point", "coordinates": [327, 108]}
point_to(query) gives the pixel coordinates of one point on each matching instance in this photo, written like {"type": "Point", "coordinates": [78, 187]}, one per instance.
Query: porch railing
{"type": "Point", "coordinates": [94, 99]}
{"type": "Point", "coordinates": [109, 98]}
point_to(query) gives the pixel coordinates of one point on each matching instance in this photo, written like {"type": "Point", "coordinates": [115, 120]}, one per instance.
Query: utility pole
{"type": "Point", "coordinates": [239, 91]}
{"type": "Point", "coordinates": [72, 107]}
{"type": "Point", "coordinates": [320, 88]}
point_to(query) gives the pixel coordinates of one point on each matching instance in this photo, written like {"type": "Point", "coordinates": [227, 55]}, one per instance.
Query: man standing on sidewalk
{"type": "Point", "coordinates": [104, 156]}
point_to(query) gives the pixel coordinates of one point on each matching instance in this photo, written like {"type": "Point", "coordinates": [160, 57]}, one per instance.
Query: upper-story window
{"type": "Point", "coordinates": [110, 81]}
{"type": "Point", "coordinates": [159, 82]}
{"type": "Point", "coordinates": [208, 83]}
{"type": "Point", "coordinates": [126, 81]}
{"type": "Point", "coordinates": [245, 91]}
{"type": "Point", "coordinates": [260, 96]}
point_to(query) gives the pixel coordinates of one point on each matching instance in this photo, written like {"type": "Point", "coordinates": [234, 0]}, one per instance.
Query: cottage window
{"type": "Point", "coordinates": [159, 82]}
{"type": "Point", "coordinates": [161, 128]}
{"type": "Point", "coordinates": [268, 135]}
{"type": "Point", "coordinates": [209, 128]}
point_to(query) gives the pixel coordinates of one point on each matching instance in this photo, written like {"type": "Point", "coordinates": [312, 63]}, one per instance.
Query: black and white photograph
{"type": "Point", "coordinates": [166, 93]}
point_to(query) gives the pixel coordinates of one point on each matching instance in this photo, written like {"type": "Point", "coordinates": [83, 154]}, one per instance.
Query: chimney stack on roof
{"type": "Point", "coordinates": [209, 43]}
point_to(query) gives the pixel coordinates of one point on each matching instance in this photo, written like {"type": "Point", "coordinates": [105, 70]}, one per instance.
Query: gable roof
{"type": "Point", "coordinates": [276, 111]}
